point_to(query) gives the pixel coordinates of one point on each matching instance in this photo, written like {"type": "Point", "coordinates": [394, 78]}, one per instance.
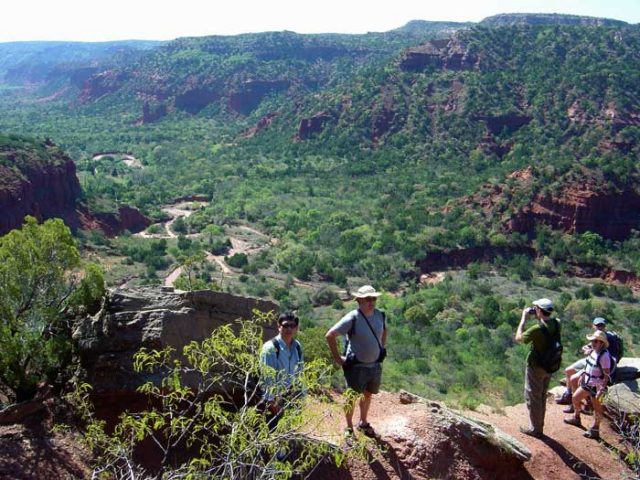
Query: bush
{"type": "Point", "coordinates": [43, 284]}
{"type": "Point", "coordinates": [237, 260]}
{"type": "Point", "coordinates": [232, 443]}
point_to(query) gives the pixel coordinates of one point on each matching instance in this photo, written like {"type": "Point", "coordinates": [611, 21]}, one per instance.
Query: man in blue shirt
{"type": "Point", "coordinates": [366, 333]}
{"type": "Point", "coordinates": [283, 354]}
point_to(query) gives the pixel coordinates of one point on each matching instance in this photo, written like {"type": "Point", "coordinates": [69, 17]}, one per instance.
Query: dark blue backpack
{"type": "Point", "coordinates": [616, 346]}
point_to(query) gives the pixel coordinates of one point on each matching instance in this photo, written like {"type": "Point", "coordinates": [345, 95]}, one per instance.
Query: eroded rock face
{"type": "Point", "coordinates": [313, 125]}
{"type": "Point", "coordinates": [196, 99]}
{"type": "Point", "coordinates": [111, 224]}
{"type": "Point", "coordinates": [248, 96]}
{"type": "Point", "coordinates": [449, 54]}
{"type": "Point", "coordinates": [580, 208]}
{"type": "Point", "coordinates": [153, 318]}
{"type": "Point", "coordinates": [262, 124]}
{"type": "Point", "coordinates": [44, 192]}
{"type": "Point", "coordinates": [101, 84]}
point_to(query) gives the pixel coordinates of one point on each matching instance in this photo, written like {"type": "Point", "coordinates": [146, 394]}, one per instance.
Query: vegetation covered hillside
{"type": "Point", "coordinates": [374, 158]}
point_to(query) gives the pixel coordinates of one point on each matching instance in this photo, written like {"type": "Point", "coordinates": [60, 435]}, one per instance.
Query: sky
{"type": "Point", "coordinates": [103, 20]}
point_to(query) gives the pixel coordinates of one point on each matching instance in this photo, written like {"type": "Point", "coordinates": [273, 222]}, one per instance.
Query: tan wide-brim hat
{"type": "Point", "coordinates": [599, 335]}
{"type": "Point", "coordinates": [366, 291]}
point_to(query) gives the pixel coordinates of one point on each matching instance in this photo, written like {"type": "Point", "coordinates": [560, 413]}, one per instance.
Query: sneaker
{"type": "Point", "coordinates": [569, 409]}
{"type": "Point", "coordinates": [573, 421]}
{"type": "Point", "coordinates": [564, 399]}
{"type": "Point", "coordinates": [592, 433]}
{"type": "Point", "coordinates": [367, 429]}
{"type": "Point", "coordinates": [531, 432]}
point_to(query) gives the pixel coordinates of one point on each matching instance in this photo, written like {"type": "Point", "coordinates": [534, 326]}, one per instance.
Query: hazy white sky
{"type": "Point", "coordinates": [98, 20]}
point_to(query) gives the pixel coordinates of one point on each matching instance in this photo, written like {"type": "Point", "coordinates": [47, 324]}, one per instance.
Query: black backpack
{"type": "Point", "coordinates": [616, 346]}
{"type": "Point", "coordinates": [551, 358]}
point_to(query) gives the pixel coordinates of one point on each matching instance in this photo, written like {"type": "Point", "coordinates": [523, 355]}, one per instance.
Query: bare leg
{"type": "Point", "coordinates": [365, 403]}
{"type": "Point", "coordinates": [574, 381]}
{"type": "Point", "coordinates": [568, 372]}
{"type": "Point", "coordinates": [579, 395]}
{"type": "Point", "coordinates": [598, 411]}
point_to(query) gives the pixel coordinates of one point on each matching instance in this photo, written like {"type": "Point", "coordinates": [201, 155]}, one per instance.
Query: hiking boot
{"type": "Point", "coordinates": [531, 432]}
{"type": "Point", "coordinates": [569, 409]}
{"type": "Point", "coordinates": [592, 433]}
{"type": "Point", "coordinates": [573, 421]}
{"type": "Point", "coordinates": [367, 429]}
{"type": "Point", "coordinates": [565, 398]}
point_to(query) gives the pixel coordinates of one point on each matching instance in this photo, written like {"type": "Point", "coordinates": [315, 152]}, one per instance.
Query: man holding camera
{"type": "Point", "coordinates": [536, 380]}
{"type": "Point", "coordinates": [366, 332]}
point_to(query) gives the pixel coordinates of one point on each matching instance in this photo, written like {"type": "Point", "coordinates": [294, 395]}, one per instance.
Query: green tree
{"type": "Point", "coordinates": [233, 438]}
{"type": "Point", "coordinates": [43, 284]}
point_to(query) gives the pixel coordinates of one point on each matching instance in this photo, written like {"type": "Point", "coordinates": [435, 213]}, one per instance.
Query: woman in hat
{"type": "Point", "coordinates": [593, 383]}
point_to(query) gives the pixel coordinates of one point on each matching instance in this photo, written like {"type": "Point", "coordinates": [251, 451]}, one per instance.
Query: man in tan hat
{"type": "Point", "coordinates": [593, 383]}
{"type": "Point", "coordinates": [366, 332]}
{"type": "Point", "coordinates": [536, 379]}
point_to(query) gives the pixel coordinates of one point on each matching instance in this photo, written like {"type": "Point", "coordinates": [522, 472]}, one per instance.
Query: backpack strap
{"type": "Point", "coordinates": [276, 345]}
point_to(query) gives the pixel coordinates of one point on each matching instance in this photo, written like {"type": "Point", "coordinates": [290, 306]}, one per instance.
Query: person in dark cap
{"type": "Point", "coordinates": [572, 372]}
{"type": "Point", "coordinates": [366, 332]}
{"type": "Point", "coordinates": [536, 380]}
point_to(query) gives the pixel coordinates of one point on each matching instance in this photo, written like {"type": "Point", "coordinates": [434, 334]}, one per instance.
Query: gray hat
{"type": "Point", "coordinates": [599, 321]}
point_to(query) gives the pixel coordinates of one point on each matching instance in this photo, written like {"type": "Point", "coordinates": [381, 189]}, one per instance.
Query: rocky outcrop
{"type": "Point", "coordinates": [247, 96]}
{"type": "Point", "coordinates": [449, 54]}
{"type": "Point", "coordinates": [43, 190]}
{"type": "Point", "coordinates": [313, 125]}
{"type": "Point", "coordinates": [102, 84]}
{"type": "Point", "coordinates": [127, 219]}
{"type": "Point", "coordinates": [424, 439]}
{"type": "Point", "coordinates": [263, 123]}
{"type": "Point", "coordinates": [383, 121]}
{"type": "Point", "coordinates": [154, 318]}
{"type": "Point", "coordinates": [460, 258]}
{"type": "Point", "coordinates": [581, 207]}
{"type": "Point", "coordinates": [196, 99]}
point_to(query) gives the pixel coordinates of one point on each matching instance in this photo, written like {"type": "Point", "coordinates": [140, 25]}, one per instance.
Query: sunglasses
{"type": "Point", "coordinates": [288, 325]}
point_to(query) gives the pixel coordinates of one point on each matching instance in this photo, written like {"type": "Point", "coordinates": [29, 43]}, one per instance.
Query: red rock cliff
{"type": "Point", "coordinates": [44, 191]}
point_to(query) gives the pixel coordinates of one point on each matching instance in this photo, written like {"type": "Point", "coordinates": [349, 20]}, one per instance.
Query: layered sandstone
{"type": "Point", "coordinates": [43, 187]}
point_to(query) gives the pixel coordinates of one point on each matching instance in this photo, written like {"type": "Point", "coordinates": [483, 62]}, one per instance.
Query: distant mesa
{"type": "Point", "coordinates": [506, 19]}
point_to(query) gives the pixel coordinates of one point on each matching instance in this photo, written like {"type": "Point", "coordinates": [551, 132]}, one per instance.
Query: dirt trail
{"type": "Point", "coordinates": [564, 453]}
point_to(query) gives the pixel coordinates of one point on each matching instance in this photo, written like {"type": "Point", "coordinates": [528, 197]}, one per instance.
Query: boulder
{"type": "Point", "coordinates": [624, 398]}
{"type": "Point", "coordinates": [153, 318]}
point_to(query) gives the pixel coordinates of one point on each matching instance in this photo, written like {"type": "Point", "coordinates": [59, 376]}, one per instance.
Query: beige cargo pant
{"type": "Point", "coordinates": [536, 384]}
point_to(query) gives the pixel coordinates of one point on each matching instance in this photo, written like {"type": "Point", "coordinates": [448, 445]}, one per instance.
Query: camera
{"type": "Point", "coordinates": [531, 311]}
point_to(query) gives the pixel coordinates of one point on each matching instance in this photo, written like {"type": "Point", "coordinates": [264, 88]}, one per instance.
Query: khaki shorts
{"type": "Point", "coordinates": [364, 378]}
